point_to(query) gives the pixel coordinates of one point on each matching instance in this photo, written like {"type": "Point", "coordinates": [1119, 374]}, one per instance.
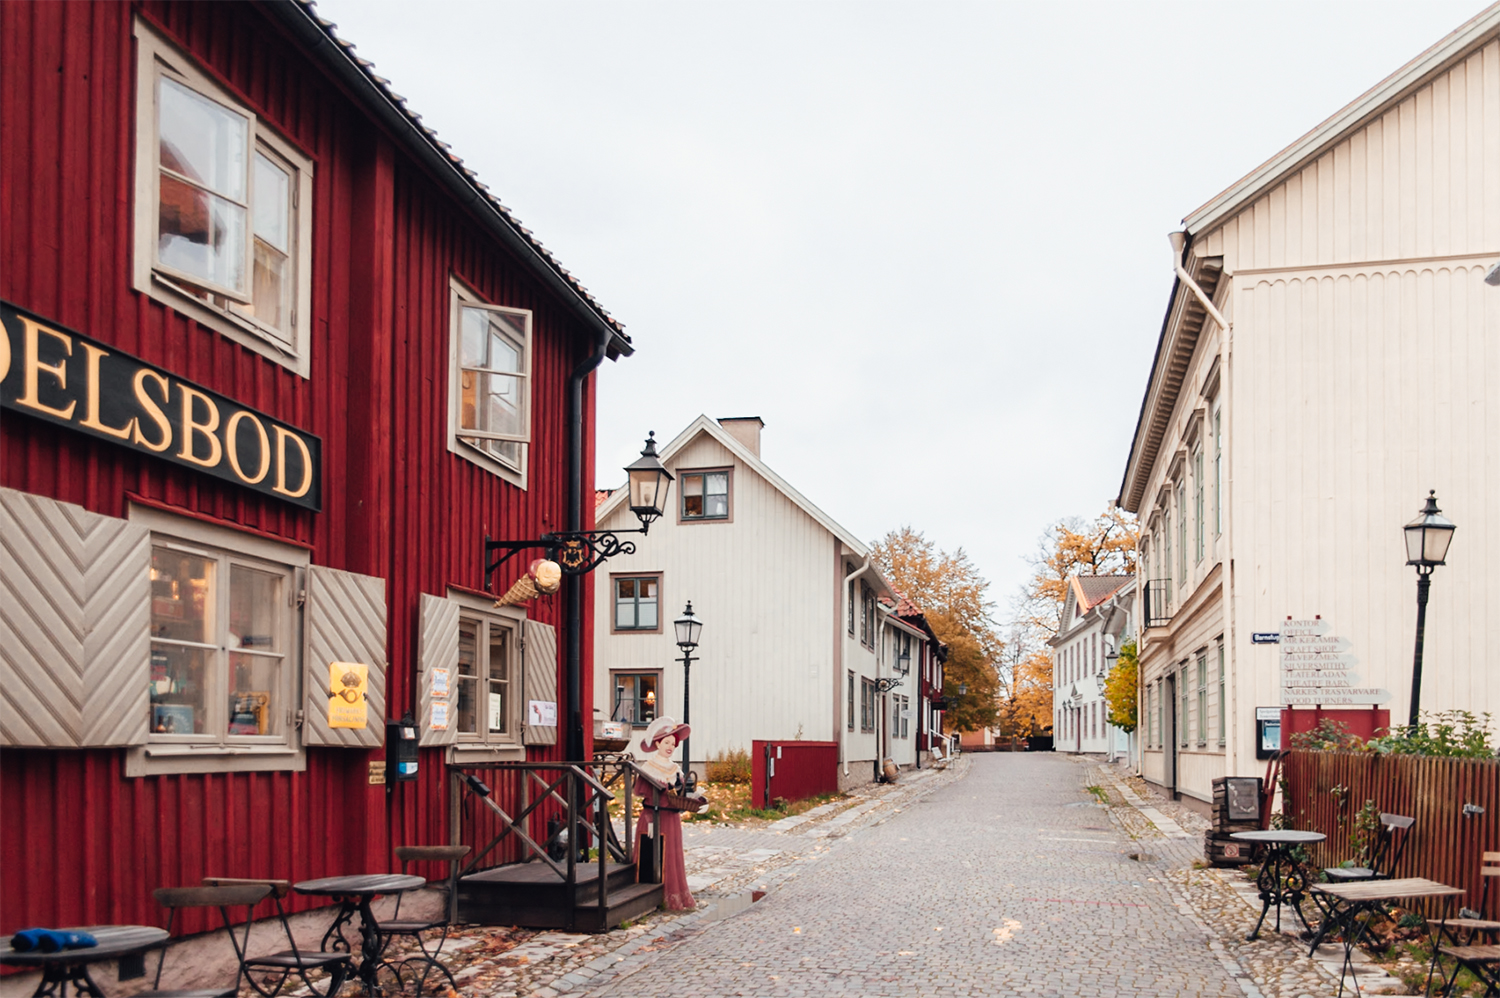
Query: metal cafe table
{"type": "Point", "coordinates": [1369, 895]}
{"type": "Point", "coordinates": [71, 966]}
{"type": "Point", "coordinates": [354, 895]}
{"type": "Point", "coordinates": [1282, 879]}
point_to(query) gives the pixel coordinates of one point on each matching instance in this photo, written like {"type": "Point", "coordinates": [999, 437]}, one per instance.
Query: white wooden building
{"type": "Point", "coordinates": [795, 637]}
{"type": "Point", "coordinates": [1330, 353]}
{"type": "Point", "coordinates": [1096, 614]}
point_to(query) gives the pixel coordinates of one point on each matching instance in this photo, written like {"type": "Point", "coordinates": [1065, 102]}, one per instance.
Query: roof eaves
{"type": "Point", "coordinates": [1457, 45]}
{"type": "Point", "coordinates": [390, 108]}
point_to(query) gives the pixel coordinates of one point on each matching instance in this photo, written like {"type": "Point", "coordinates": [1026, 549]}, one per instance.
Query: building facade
{"type": "Point", "coordinates": [274, 364]}
{"type": "Point", "coordinates": [1096, 617]}
{"type": "Point", "coordinates": [1327, 358]}
{"type": "Point", "coordinates": [796, 637]}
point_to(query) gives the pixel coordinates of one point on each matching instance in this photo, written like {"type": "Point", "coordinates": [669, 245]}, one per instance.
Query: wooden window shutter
{"type": "Point", "coordinates": [437, 648]}
{"type": "Point", "coordinates": [75, 625]}
{"type": "Point", "coordinates": [540, 669]}
{"type": "Point", "coordinates": [344, 621]}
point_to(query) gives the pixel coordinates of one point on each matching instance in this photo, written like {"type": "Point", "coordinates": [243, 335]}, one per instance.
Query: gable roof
{"type": "Point", "coordinates": [1374, 102]}
{"type": "Point", "coordinates": [1091, 590]}
{"type": "Point", "coordinates": [705, 426]}
{"type": "Point", "coordinates": [389, 108]}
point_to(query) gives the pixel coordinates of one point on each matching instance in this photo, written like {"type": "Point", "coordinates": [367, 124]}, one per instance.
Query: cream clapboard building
{"type": "Point", "coordinates": [798, 623]}
{"type": "Point", "coordinates": [1096, 620]}
{"type": "Point", "coordinates": [1279, 451]}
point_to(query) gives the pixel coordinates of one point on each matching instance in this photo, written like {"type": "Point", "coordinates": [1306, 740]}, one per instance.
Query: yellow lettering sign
{"type": "Point", "coordinates": [91, 382]}
{"type": "Point", "coordinates": [190, 427]}
{"type": "Point", "coordinates": [232, 446]}
{"type": "Point", "coordinates": [282, 436]}
{"type": "Point", "coordinates": [33, 366]}
{"type": "Point", "coordinates": [152, 409]}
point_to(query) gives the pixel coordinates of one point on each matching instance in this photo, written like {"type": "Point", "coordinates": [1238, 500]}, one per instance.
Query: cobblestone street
{"type": "Point", "coordinates": [1013, 880]}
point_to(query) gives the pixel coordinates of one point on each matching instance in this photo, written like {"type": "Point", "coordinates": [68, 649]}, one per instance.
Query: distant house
{"type": "Point", "coordinates": [796, 640]}
{"type": "Point", "coordinates": [1327, 357]}
{"type": "Point", "coordinates": [1096, 613]}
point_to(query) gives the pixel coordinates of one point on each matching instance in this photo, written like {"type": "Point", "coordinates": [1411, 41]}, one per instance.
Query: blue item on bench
{"type": "Point", "coordinates": [50, 940]}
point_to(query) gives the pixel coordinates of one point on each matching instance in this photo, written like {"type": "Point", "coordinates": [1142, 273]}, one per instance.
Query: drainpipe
{"type": "Point", "coordinates": [1179, 243]}
{"type": "Point", "coordinates": [573, 600]}
{"type": "Point", "coordinates": [849, 581]}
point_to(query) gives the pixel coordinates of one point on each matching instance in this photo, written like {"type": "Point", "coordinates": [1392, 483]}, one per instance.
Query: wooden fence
{"type": "Point", "coordinates": [1444, 845]}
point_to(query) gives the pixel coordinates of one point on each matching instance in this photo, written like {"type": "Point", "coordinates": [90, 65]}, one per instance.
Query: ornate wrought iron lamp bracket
{"type": "Point", "coordinates": [886, 685]}
{"type": "Point", "coordinates": [577, 552]}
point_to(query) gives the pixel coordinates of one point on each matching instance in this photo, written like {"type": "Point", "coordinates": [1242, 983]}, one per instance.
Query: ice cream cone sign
{"type": "Point", "coordinates": [543, 578]}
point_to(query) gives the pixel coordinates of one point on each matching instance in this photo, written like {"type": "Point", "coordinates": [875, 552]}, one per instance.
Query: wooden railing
{"type": "Point", "coordinates": [1324, 792]}
{"type": "Point", "coordinates": [498, 806]}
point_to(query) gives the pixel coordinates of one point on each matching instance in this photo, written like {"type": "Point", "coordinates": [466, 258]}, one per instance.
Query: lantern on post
{"type": "Point", "coordinates": [1427, 539]}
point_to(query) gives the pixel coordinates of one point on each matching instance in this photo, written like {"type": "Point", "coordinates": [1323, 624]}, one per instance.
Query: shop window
{"type": "Point", "coordinates": [866, 705]}
{"type": "Point", "coordinates": [223, 215]}
{"type": "Point", "coordinates": [490, 383]}
{"type": "Point", "coordinates": [220, 647]}
{"type": "Point", "coordinates": [486, 702]}
{"type": "Point", "coordinates": [636, 697]}
{"type": "Point", "coordinates": [705, 495]}
{"type": "Point", "coordinates": [637, 603]}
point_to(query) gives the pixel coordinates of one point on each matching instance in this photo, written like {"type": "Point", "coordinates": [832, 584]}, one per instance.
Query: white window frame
{"type": "Point", "coordinates": [211, 753]}
{"type": "Point", "coordinates": [461, 296]}
{"type": "Point", "coordinates": [484, 738]}
{"type": "Point", "coordinates": [158, 57]}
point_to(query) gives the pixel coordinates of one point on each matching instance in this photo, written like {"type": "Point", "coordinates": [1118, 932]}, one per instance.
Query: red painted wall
{"type": "Point", "coordinates": [805, 769]}
{"type": "Point", "coordinates": [80, 843]}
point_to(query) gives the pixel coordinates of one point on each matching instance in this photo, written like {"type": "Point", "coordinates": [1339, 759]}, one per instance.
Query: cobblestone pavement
{"type": "Point", "coordinates": [1015, 880]}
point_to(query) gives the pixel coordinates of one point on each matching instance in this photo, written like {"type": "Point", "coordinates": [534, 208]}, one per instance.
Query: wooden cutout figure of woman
{"type": "Point", "coordinates": [659, 784]}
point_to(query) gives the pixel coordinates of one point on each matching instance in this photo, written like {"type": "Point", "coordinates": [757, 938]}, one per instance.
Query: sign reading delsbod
{"type": "Point", "coordinates": [63, 377]}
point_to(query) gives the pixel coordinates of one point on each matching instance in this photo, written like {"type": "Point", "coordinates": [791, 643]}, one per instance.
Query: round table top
{"type": "Point", "coordinates": [364, 883]}
{"type": "Point", "coordinates": [1280, 836]}
{"type": "Point", "coordinates": [114, 941]}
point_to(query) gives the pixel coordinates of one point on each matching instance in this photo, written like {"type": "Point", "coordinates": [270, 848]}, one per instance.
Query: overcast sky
{"type": "Point", "coordinates": [925, 242]}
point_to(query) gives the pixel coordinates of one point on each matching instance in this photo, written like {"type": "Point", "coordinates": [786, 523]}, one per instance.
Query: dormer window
{"type": "Point", "coordinates": [705, 494]}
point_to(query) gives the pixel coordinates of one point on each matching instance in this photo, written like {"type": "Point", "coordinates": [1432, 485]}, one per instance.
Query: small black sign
{"type": "Point", "coordinates": [1265, 637]}
{"type": "Point", "coordinates": [53, 373]}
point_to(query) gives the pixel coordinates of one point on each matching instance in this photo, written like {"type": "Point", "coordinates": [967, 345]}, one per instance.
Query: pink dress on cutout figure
{"type": "Point", "coordinates": [661, 811]}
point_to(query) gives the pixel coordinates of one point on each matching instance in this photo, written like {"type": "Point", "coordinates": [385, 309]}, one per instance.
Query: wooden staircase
{"type": "Point", "coordinates": [533, 895]}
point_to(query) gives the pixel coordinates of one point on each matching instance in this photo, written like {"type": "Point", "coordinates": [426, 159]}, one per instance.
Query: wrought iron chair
{"type": "Point", "coordinates": [174, 899]}
{"type": "Point", "coordinates": [397, 926]}
{"type": "Point", "coordinates": [1483, 961]}
{"type": "Point", "coordinates": [1390, 846]}
{"type": "Point", "coordinates": [276, 969]}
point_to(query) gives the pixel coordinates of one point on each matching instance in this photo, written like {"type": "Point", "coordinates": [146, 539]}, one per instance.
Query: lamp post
{"type": "Point", "coordinates": [688, 626]}
{"type": "Point", "coordinates": [1427, 539]}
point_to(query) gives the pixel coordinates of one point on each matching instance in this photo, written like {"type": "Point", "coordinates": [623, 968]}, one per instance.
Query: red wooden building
{"type": "Point", "coordinates": [275, 364]}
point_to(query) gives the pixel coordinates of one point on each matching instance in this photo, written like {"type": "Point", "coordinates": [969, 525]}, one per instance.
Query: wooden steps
{"type": "Point", "coordinates": [534, 896]}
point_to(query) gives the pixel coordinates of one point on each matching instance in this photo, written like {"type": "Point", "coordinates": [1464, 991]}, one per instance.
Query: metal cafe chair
{"type": "Point", "coordinates": [397, 926]}
{"type": "Point", "coordinates": [1390, 846]}
{"type": "Point", "coordinates": [276, 969]}
{"type": "Point", "coordinates": [1483, 961]}
{"type": "Point", "coordinates": [175, 899]}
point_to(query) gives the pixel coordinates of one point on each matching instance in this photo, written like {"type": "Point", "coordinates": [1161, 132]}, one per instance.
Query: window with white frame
{"type": "Point", "coordinates": [866, 704]}
{"type": "Point", "coordinates": [490, 383]}
{"type": "Point", "coordinates": [1202, 688]}
{"type": "Point", "coordinates": [1182, 705]}
{"type": "Point", "coordinates": [1182, 537]}
{"type": "Point", "coordinates": [850, 713]}
{"type": "Point", "coordinates": [223, 220]}
{"type": "Point", "coordinates": [487, 700]}
{"type": "Point", "coordinates": [1199, 527]}
{"type": "Point", "coordinates": [1218, 472]}
{"type": "Point", "coordinates": [223, 661]}
{"type": "Point", "coordinates": [1223, 703]}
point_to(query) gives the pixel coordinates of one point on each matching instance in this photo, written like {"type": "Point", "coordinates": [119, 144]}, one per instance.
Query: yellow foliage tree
{"type": "Point", "coordinates": [1120, 689]}
{"type": "Point", "coordinates": [1105, 545]}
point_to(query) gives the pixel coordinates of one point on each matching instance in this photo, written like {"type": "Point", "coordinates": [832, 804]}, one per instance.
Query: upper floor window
{"type": "Point", "coordinates": [223, 230]}
{"type": "Point", "coordinates": [1182, 536]}
{"type": "Point", "coordinates": [705, 495]}
{"type": "Point", "coordinates": [636, 603]}
{"type": "Point", "coordinates": [490, 384]}
{"type": "Point", "coordinates": [1218, 472]}
{"type": "Point", "coordinates": [1199, 487]}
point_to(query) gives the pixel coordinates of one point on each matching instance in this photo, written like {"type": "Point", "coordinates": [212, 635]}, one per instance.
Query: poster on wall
{"type": "Point", "coordinates": [541, 713]}
{"type": "Point", "coordinates": [348, 688]}
{"type": "Point", "coordinates": [439, 682]}
{"type": "Point", "coordinates": [439, 715]}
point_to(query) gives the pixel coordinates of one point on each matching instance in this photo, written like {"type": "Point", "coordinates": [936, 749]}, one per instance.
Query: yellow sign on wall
{"type": "Point", "coordinates": [348, 686]}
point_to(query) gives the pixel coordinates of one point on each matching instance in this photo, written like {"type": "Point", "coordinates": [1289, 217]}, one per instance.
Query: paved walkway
{"type": "Point", "coordinates": [1011, 881]}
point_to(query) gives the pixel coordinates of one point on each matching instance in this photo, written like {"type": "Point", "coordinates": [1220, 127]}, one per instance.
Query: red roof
{"type": "Point", "coordinates": [1092, 590]}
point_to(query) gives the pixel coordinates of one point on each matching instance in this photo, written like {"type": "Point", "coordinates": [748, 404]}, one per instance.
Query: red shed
{"type": "Point", "coordinates": [274, 365]}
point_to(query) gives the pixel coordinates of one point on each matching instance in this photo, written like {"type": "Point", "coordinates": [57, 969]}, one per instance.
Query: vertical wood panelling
{"type": "Point", "coordinates": [398, 505]}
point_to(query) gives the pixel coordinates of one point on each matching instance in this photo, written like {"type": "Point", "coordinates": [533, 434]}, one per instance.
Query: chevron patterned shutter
{"type": "Point", "coordinates": [539, 665]}
{"type": "Point", "coordinates": [437, 648]}
{"type": "Point", "coordinates": [344, 621]}
{"type": "Point", "coordinates": [75, 625]}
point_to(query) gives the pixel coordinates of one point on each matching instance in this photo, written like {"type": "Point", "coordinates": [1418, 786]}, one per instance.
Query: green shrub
{"type": "Point", "coordinates": [1455, 734]}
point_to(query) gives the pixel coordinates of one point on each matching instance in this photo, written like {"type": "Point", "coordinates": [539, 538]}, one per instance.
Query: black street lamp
{"type": "Point", "coordinates": [1427, 539]}
{"type": "Point", "coordinates": [688, 627]}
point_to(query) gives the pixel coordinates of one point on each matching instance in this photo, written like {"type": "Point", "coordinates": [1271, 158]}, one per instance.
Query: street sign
{"type": "Point", "coordinates": [1265, 637]}
{"type": "Point", "coordinates": [1268, 713]}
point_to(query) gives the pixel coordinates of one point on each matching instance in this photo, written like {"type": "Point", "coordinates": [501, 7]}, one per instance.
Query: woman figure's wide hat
{"type": "Point", "coordinates": [661, 728]}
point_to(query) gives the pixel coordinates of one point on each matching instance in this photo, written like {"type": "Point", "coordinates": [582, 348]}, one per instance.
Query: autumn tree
{"type": "Point", "coordinates": [1120, 689]}
{"type": "Point", "coordinates": [955, 599]}
{"type": "Point", "coordinates": [1105, 545]}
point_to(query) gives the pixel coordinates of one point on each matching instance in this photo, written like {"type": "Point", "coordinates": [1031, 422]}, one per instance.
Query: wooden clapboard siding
{"type": "Point", "coordinates": [437, 648]}
{"type": "Point", "coordinates": [539, 681]}
{"type": "Point", "coordinates": [398, 506]}
{"type": "Point", "coordinates": [344, 622]}
{"type": "Point", "coordinates": [764, 588]}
